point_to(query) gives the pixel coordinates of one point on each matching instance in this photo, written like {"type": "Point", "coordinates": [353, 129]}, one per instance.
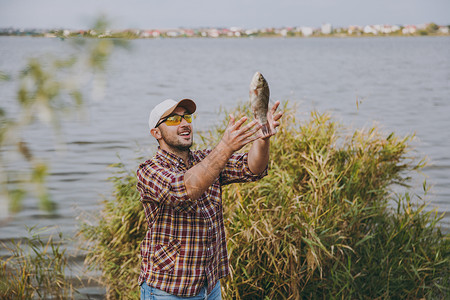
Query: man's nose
{"type": "Point", "coordinates": [184, 122]}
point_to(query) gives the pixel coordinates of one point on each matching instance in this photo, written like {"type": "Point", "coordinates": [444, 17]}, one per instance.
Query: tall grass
{"type": "Point", "coordinates": [323, 224]}
{"type": "Point", "coordinates": [320, 225]}
{"type": "Point", "coordinates": [36, 269]}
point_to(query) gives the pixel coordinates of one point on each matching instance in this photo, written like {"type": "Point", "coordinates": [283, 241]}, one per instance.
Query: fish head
{"type": "Point", "coordinates": [258, 81]}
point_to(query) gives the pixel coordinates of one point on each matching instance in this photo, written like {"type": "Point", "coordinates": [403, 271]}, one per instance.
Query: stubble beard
{"type": "Point", "coordinates": [176, 144]}
{"type": "Point", "coordinates": [182, 147]}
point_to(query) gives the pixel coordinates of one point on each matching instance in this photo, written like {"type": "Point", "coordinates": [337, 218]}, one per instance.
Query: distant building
{"type": "Point", "coordinates": [213, 33]}
{"type": "Point", "coordinates": [236, 31]}
{"type": "Point", "coordinates": [172, 33]}
{"type": "Point", "coordinates": [326, 29]}
{"type": "Point", "coordinates": [306, 31]}
{"type": "Point", "coordinates": [187, 32]}
{"type": "Point", "coordinates": [421, 26]}
{"type": "Point", "coordinates": [370, 29]}
{"type": "Point", "coordinates": [354, 29]}
{"type": "Point", "coordinates": [444, 29]}
{"type": "Point", "coordinates": [409, 29]}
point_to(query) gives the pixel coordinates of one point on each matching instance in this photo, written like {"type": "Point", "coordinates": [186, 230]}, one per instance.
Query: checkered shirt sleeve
{"type": "Point", "coordinates": [159, 184]}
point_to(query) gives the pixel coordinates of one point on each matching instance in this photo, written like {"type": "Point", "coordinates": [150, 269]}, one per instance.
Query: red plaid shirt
{"type": "Point", "coordinates": [185, 244]}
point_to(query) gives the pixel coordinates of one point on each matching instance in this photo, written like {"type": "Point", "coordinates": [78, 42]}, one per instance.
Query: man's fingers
{"type": "Point", "coordinates": [231, 122]}
{"type": "Point", "coordinates": [239, 123]}
{"type": "Point", "coordinates": [251, 138]}
{"type": "Point", "coordinates": [274, 107]}
{"type": "Point", "coordinates": [278, 116]}
{"type": "Point", "coordinates": [250, 125]}
{"type": "Point", "coordinates": [252, 131]}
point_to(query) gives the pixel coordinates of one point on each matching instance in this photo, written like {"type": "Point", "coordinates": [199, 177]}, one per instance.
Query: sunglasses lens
{"type": "Point", "coordinates": [176, 120]}
{"type": "Point", "coordinates": [173, 120]}
{"type": "Point", "coordinates": [188, 118]}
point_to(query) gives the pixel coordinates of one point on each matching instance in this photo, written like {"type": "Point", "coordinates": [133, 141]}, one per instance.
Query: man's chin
{"type": "Point", "coordinates": [184, 147]}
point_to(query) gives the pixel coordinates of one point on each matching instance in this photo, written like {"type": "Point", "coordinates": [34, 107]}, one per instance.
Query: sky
{"type": "Point", "coordinates": [149, 14]}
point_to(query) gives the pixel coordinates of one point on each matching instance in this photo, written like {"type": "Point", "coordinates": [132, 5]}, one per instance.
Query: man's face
{"type": "Point", "coordinates": [180, 136]}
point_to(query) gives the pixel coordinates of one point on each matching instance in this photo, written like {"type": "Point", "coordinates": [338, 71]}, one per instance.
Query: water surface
{"type": "Point", "coordinates": [402, 84]}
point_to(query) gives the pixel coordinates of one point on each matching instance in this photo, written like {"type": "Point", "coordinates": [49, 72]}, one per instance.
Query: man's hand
{"type": "Point", "coordinates": [200, 177]}
{"type": "Point", "coordinates": [237, 136]}
{"type": "Point", "coordinates": [272, 119]}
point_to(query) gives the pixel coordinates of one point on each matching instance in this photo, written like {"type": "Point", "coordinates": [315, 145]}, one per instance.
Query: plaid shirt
{"type": "Point", "coordinates": [185, 245]}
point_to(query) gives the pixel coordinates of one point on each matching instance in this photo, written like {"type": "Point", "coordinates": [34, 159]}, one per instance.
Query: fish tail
{"type": "Point", "coordinates": [266, 129]}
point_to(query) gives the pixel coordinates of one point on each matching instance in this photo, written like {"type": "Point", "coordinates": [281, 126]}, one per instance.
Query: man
{"type": "Point", "coordinates": [184, 251]}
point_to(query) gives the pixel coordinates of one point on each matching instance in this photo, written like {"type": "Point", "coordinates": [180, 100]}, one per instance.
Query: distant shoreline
{"type": "Point", "coordinates": [430, 29]}
{"type": "Point", "coordinates": [225, 37]}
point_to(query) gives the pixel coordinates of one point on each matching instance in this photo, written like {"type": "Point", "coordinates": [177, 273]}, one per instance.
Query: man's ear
{"type": "Point", "coordinates": [156, 133]}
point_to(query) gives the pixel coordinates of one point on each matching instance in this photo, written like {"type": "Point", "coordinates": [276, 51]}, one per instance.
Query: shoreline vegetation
{"type": "Point", "coordinates": [326, 30]}
{"type": "Point", "coordinates": [333, 227]}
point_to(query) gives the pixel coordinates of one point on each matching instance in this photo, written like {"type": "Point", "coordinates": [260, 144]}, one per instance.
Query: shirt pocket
{"type": "Point", "coordinates": [165, 256]}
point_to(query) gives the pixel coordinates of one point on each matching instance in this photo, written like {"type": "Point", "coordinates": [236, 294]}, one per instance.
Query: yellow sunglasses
{"type": "Point", "coordinates": [174, 120]}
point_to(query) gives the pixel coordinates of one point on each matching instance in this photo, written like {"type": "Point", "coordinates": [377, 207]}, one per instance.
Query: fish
{"type": "Point", "coordinates": [259, 101]}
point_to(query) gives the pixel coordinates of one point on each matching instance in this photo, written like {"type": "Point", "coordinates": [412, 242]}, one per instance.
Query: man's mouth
{"type": "Point", "coordinates": [185, 133]}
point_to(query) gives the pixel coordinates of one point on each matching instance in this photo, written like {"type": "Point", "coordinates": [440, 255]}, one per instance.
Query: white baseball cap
{"type": "Point", "coordinates": [166, 107]}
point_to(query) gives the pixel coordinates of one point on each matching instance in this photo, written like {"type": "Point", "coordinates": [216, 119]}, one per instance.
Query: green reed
{"type": "Point", "coordinates": [324, 223]}
{"type": "Point", "coordinates": [320, 225]}
{"type": "Point", "coordinates": [36, 269]}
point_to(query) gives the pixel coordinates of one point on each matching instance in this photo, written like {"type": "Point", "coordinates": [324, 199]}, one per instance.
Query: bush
{"type": "Point", "coordinates": [319, 225]}
{"type": "Point", "coordinates": [323, 223]}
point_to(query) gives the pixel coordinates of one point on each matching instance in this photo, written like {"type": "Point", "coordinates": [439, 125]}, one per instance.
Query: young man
{"type": "Point", "coordinates": [184, 252]}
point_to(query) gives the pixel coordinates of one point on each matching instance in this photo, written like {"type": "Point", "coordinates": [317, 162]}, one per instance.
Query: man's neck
{"type": "Point", "coordinates": [183, 154]}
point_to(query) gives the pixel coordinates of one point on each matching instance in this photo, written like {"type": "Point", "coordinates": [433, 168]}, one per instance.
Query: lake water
{"type": "Point", "coordinates": [402, 84]}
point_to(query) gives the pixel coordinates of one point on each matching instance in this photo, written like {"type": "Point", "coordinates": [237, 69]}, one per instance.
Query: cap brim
{"type": "Point", "coordinates": [188, 104]}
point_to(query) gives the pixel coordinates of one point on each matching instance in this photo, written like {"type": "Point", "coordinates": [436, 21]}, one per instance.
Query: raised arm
{"type": "Point", "coordinates": [201, 176]}
{"type": "Point", "coordinates": [258, 156]}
